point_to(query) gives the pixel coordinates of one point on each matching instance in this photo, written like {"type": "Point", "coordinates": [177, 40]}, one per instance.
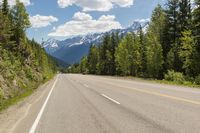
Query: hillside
{"type": "Point", "coordinates": [24, 64]}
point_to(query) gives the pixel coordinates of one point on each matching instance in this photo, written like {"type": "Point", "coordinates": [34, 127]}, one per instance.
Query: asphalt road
{"type": "Point", "coordinates": [94, 104]}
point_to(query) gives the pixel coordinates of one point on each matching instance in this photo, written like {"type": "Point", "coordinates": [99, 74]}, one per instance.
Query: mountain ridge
{"type": "Point", "coordinates": [71, 50]}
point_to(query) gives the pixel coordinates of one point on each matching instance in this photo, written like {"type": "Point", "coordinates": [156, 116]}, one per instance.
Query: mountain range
{"type": "Point", "coordinates": [71, 50]}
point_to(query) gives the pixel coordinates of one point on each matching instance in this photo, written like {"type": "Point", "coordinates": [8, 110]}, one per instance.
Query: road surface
{"type": "Point", "coordinates": [95, 104]}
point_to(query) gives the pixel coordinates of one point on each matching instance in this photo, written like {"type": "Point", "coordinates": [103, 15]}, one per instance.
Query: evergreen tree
{"type": "Point", "coordinates": [105, 56]}
{"type": "Point", "coordinates": [114, 44]}
{"type": "Point", "coordinates": [5, 7]}
{"type": "Point", "coordinates": [158, 23]}
{"type": "Point", "coordinates": [170, 43]}
{"type": "Point", "coordinates": [20, 21]}
{"type": "Point", "coordinates": [185, 15]}
{"type": "Point", "coordinates": [166, 41]}
{"type": "Point", "coordinates": [5, 27]}
{"type": "Point", "coordinates": [196, 31]}
{"type": "Point", "coordinates": [172, 17]}
{"type": "Point", "coordinates": [143, 51]}
{"type": "Point", "coordinates": [173, 26]}
{"type": "Point", "coordinates": [196, 23]}
{"type": "Point", "coordinates": [31, 65]}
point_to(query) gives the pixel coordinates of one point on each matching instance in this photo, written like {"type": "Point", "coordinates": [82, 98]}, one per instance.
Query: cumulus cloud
{"type": "Point", "coordinates": [123, 3]}
{"type": "Point", "coordinates": [39, 21]}
{"type": "Point", "coordinates": [82, 16]}
{"type": "Point", "coordinates": [26, 2]}
{"type": "Point", "coordinates": [143, 20]}
{"type": "Point", "coordinates": [83, 24]}
{"type": "Point", "coordinates": [12, 2]}
{"type": "Point", "coordinates": [95, 5]}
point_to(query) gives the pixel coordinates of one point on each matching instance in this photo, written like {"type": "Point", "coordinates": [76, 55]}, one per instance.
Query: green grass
{"type": "Point", "coordinates": [4, 104]}
{"type": "Point", "coordinates": [185, 83]}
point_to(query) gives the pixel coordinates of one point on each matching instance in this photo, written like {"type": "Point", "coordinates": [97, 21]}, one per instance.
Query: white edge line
{"type": "Point", "coordinates": [110, 99]}
{"type": "Point", "coordinates": [28, 108]}
{"type": "Point", "coordinates": [32, 130]}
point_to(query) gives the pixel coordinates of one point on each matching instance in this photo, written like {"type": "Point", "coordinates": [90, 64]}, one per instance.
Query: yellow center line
{"type": "Point", "coordinates": [160, 94]}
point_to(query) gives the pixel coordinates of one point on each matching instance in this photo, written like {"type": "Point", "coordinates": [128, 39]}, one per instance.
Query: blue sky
{"type": "Point", "coordinates": [65, 18]}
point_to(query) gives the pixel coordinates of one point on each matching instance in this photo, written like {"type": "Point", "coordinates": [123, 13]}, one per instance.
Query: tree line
{"type": "Point", "coordinates": [170, 44]}
{"type": "Point", "coordinates": [23, 62]}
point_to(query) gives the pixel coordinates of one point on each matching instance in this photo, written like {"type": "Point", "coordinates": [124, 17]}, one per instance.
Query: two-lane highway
{"type": "Point", "coordinates": [95, 104]}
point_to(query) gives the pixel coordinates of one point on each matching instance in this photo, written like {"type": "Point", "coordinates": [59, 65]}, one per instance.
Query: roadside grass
{"type": "Point", "coordinates": [4, 104]}
{"type": "Point", "coordinates": [7, 103]}
{"type": "Point", "coordinates": [184, 84]}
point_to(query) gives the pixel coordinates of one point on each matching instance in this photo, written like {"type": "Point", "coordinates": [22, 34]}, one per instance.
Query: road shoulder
{"type": "Point", "coordinates": [11, 117]}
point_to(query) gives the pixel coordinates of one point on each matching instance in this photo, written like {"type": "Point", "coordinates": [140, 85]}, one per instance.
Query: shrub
{"type": "Point", "coordinates": [175, 76]}
{"type": "Point", "coordinates": [197, 80]}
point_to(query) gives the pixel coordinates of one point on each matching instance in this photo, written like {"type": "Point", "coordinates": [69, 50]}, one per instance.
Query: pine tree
{"type": "Point", "coordinates": [185, 16]}
{"type": "Point", "coordinates": [114, 44]}
{"type": "Point", "coordinates": [31, 65]}
{"type": "Point", "coordinates": [104, 56]}
{"type": "Point", "coordinates": [196, 23]}
{"type": "Point", "coordinates": [5, 7]}
{"type": "Point", "coordinates": [172, 17]}
{"type": "Point", "coordinates": [166, 45]}
{"type": "Point", "coordinates": [143, 51]}
{"type": "Point", "coordinates": [5, 26]}
{"type": "Point", "coordinates": [173, 26]}
{"type": "Point", "coordinates": [196, 31]}
{"type": "Point", "coordinates": [20, 20]}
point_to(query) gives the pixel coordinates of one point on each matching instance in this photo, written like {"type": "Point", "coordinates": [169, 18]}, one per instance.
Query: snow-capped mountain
{"type": "Point", "coordinates": [51, 45]}
{"type": "Point", "coordinates": [71, 50]}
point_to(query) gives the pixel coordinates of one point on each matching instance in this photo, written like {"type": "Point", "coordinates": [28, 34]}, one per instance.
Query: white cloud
{"type": "Point", "coordinates": [39, 21]}
{"type": "Point", "coordinates": [79, 16]}
{"type": "Point", "coordinates": [95, 5]}
{"type": "Point", "coordinates": [12, 2]}
{"type": "Point", "coordinates": [65, 3]}
{"type": "Point", "coordinates": [143, 20]}
{"type": "Point", "coordinates": [26, 2]}
{"type": "Point", "coordinates": [83, 24]}
{"type": "Point", "coordinates": [123, 3]}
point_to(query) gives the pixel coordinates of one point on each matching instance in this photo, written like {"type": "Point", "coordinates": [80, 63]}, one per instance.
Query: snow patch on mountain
{"type": "Point", "coordinates": [55, 47]}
